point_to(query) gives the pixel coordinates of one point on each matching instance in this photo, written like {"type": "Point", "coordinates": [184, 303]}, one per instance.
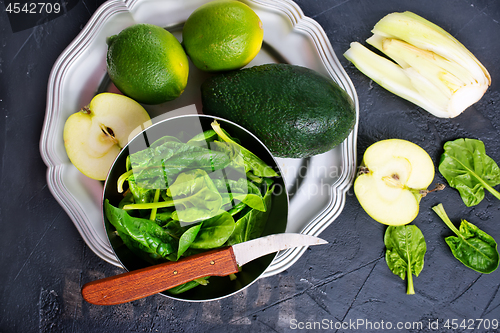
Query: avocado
{"type": "Point", "coordinates": [295, 111]}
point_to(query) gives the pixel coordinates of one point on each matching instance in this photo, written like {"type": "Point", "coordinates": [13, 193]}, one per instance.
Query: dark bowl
{"type": "Point", "coordinates": [190, 125]}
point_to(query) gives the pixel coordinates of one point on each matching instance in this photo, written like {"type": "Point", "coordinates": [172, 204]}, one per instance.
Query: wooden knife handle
{"type": "Point", "coordinates": [151, 280]}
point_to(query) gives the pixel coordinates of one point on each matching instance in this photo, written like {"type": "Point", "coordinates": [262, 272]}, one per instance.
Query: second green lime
{"type": "Point", "coordinates": [222, 35]}
{"type": "Point", "coordinates": [147, 63]}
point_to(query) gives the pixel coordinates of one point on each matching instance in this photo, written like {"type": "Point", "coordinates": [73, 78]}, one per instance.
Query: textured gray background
{"type": "Point", "coordinates": [44, 261]}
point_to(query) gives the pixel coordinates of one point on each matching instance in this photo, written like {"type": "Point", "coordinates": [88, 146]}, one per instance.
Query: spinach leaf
{"type": "Point", "coordinates": [186, 286]}
{"type": "Point", "coordinates": [193, 195]}
{"type": "Point", "coordinates": [141, 252]}
{"type": "Point", "coordinates": [141, 195]}
{"type": "Point", "coordinates": [258, 218]}
{"type": "Point", "coordinates": [254, 163]}
{"type": "Point", "coordinates": [241, 190]}
{"type": "Point", "coordinates": [405, 251]}
{"type": "Point", "coordinates": [237, 208]}
{"type": "Point", "coordinates": [144, 233]}
{"type": "Point", "coordinates": [214, 232]}
{"type": "Point", "coordinates": [163, 217]}
{"type": "Point", "coordinates": [467, 168]}
{"type": "Point", "coordinates": [203, 138]}
{"type": "Point", "coordinates": [162, 140]}
{"type": "Point", "coordinates": [473, 247]}
{"type": "Point", "coordinates": [174, 228]}
{"type": "Point", "coordinates": [252, 224]}
{"type": "Point", "coordinates": [253, 177]}
{"type": "Point", "coordinates": [187, 239]}
{"type": "Point", "coordinates": [239, 234]}
{"type": "Point", "coordinates": [127, 199]}
{"type": "Point", "coordinates": [157, 167]}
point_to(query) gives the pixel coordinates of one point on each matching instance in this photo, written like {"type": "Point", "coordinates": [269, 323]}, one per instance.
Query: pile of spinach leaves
{"type": "Point", "coordinates": [187, 197]}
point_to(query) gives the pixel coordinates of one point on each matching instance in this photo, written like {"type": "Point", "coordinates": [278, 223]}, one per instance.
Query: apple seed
{"type": "Point", "coordinates": [393, 181]}
{"type": "Point", "coordinates": [109, 133]}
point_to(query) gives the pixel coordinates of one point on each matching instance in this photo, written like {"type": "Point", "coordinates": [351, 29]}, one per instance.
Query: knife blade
{"type": "Point", "coordinates": [224, 261]}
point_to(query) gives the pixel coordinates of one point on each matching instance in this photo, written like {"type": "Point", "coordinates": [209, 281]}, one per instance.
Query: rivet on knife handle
{"type": "Point", "coordinates": [151, 280]}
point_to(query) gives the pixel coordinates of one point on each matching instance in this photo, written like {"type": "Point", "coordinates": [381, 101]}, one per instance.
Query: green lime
{"type": "Point", "coordinates": [147, 63]}
{"type": "Point", "coordinates": [222, 35]}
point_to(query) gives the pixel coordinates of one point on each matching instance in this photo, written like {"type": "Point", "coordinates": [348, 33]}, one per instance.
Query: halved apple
{"type": "Point", "coordinates": [94, 136]}
{"type": "Point", "coordinates": [393, 177]}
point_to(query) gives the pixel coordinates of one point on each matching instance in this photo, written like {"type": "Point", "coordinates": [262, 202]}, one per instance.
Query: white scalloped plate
{"type": "Point", "coordinates": [317, 186]}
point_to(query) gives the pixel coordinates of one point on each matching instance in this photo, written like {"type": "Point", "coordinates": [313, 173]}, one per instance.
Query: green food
{"type": "Point", "coordinates": [214, 232]}
{"type": "Point", "coordinates": [430, 68]}
{"type": "Point", "coordinates": [143, 234]}
{"type": "Point", "coordinates": [405, 251]}
{"type": "Point", "coordinates": [187, 238]}
{"type": "Point", "coordinates": [140, 194]}
{"type": "Point", "coordinates": [252, 223]}
{"type": "Point", "coordinates": [204, 137]}
{"type": "Point", "coordinates": [467, 168]}
{"type": "Point", "coordinates": [248, 159]}
{"type": "Point", "coordinates": [187, 197]}
{"type": "Point", "coordinates": [472, 247]}
{"type": "Point", "coordinates": [295, 111]}
{"type": "Point", "coordinates": [241, 190]}
{"type": "Point", "coordinates": [195, 196]}
{"type": "Point", "coordinates": [187, 286]}
{"type": "Point", "coordinates": [147, 63]}
{"type": "Point", "coordinates": [222, 35]}
{"type": "Point", "coordinates": [94, 136]}
{"type": "Point", "coordinates": [153, 165]}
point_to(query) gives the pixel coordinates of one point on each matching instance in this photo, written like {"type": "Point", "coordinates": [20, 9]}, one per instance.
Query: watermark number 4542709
{"type": "Point", "coordinates": [33, 8]}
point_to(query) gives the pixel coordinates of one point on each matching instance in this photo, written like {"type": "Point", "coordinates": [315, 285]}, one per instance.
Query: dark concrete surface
{"type": "Point", "coordinates": [44, 261]}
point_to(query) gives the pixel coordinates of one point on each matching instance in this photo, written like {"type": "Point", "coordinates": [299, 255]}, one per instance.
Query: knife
{"type": "Point", "coordinates": [151, 280]}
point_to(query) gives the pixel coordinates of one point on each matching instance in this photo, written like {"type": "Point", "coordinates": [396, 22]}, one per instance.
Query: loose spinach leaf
{"type": "Point", "coordinates": [405, 251]}
{"type": "Point", "coordinates": [473, 247]}
{"type": "Point", "coordinates": [147, 235]}
{"type": "Point", "coordinates": [254, 163]}
{"type": "Point", "coordinates": [467, 168]}
{"type": "Point", "coordinates": [214, 232]}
